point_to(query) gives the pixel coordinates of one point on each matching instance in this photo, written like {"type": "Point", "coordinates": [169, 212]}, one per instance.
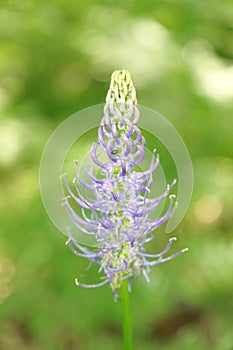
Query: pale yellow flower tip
{"type": "Point", "coordinates": [121, 88]}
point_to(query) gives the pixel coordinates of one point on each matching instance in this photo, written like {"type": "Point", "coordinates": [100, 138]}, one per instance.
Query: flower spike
{"type": "Point", "coordinates": [118, 212]}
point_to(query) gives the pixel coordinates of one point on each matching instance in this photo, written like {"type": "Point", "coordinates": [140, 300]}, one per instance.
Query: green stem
{"type": "Point", "coordinates": [126, 319]}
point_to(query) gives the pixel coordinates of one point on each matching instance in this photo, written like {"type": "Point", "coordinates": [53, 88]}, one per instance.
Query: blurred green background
{"type": "Point", "coordinates": [56, 57]}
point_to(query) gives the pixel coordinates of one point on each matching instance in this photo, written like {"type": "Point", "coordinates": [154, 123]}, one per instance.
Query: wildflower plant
{"type": "Point", "coordinates": [110, 200]}
{"type": "Point", "coordinates": [114, 201]}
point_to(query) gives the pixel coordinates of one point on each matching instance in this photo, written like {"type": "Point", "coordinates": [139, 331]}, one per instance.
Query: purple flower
{"type": "Point", "coordinates": [118, 210]}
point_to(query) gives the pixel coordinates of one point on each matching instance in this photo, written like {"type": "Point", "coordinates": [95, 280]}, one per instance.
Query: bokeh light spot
{"type": "Point", "coordinates": [208, 209]}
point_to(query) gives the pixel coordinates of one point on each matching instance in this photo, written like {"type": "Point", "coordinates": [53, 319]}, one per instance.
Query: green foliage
{"type": "Point", "coordinates": [56, 58]}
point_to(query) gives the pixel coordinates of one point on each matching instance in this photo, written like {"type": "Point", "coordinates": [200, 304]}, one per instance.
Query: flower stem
{"type": "Point", "coordinates": [126, 319]}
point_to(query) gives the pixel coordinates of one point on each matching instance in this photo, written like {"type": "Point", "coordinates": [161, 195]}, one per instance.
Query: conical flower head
{"type": "Point", "coordinates": [118, 213]}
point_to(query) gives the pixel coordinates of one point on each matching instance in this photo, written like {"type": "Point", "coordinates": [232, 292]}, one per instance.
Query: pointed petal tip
{"type": "Point", "coordinates": [184, 250]}
{"type": "Point", "coordinates": [68, 241]}
{"type": "Point", "coordinates": [172, 196]}
{"type": "Point", "coordinates": [173, 239]}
